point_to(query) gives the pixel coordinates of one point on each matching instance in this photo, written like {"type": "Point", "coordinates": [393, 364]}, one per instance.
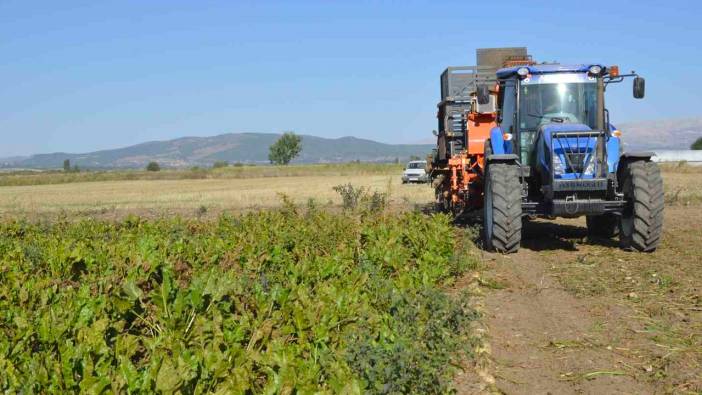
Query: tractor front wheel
{"type": "Point", "coordinates": [642, 219]}
{"type": "Point", "coordinates": [502, 215]}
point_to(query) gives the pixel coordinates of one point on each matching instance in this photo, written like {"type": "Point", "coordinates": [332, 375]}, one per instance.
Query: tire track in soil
{"type": "Point", "coordinates": [540, 337]}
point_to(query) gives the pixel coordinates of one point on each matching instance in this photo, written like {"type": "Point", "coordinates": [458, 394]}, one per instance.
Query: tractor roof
{"type": "Point", "coordinates": [546, 69]}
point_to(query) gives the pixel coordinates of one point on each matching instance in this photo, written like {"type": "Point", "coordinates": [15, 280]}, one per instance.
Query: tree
{"type": "Point", "coordinates": [219, 164]}
{"type": "Point", "coordinates": [153, 166]}
{"type": "Point", "coordinates": [67, 165]}
{"type": "Point", "coordinates": [697, 145]}
{"type": "Point", "coordinates": [288, 146]}
{"type": "Point", "coordinates": [414, 157]}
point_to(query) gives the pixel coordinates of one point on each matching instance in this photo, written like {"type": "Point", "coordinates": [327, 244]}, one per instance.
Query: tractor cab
{"type": "Point", "coordinates": [552, 117]}
{"type": "Point", "coordinates": [553, 114]}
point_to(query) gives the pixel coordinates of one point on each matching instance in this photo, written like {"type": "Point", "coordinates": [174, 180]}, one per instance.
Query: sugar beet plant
{"type": "Point", "coordinates": [268, 302]}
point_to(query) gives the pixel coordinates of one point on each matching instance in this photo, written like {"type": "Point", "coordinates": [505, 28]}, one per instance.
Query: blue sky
{"type": "Point", "coordinates": [82, 76]}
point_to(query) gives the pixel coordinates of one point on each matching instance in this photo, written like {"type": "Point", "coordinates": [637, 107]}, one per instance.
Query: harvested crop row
{"type": "Point", "coordinates": [275, 301]}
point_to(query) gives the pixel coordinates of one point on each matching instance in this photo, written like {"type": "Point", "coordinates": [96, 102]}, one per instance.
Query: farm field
{"type": "Point", "coordinates": [565, 314]}
{"type": "Point", "coordinates": [275, 301]}
{"type": "Point", "coordinates": [236, 171]}
{"type": "Point", "coordinates": [190, 197]}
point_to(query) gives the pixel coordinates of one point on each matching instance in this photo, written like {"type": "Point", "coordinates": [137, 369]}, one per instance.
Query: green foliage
{"type": "Point", "coordinates": [267, 302]}
{"type": "Point", "coordinates": [354, 197]}
{"type": "Point", "coordinates": [153, 166]}
{"type": "Point", "coordinates": [697, 145]}
{"type": "Point", "coordinates": [220, 164]}
{"type": "Point", "coordinates": [285, 149]}
{"type": "Point", "coordinates": [350, 195]}
{"type": "Point", "coordinates": [414, 360]}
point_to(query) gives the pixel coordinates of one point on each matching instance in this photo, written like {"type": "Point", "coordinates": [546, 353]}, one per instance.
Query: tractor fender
{"type": "Point", "coordinates": [629, 157]}
{"type": "Point", "coordinates": [498, 143]}
{"type": "Point", "coordinates": [504, 158]}
{"type": "Point", "coordinates": [644, 155]}
{"type": "Point", "coordinates": [613, 153]}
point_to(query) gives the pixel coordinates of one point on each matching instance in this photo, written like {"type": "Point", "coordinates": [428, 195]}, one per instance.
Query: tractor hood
{"type": "Point", "coordinates": [548, 130]}
{"type": "Point", "coordinates": [567, 150]}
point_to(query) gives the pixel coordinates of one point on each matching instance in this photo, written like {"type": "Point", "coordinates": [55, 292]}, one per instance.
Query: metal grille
{"type": "Point", "coordinates": [452, 119]}
{"type": "Point", "coordinates": [460, 83]}
{"type": "Point", "coordinates": [457, 122]}
{"type": "Point", "coordinates": [575, 147]}
{"type": "Point", "coordinates": [456, 146]}
{"type": "Point", "coordinates": [575, 161]}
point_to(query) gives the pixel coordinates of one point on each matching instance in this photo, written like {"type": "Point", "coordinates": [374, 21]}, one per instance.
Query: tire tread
{"type": "Point", "coordinates": [648, 207]}
{"type": "Point", "coordinates": [507, 208]}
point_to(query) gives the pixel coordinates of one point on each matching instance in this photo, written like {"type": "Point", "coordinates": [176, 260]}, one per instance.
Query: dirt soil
{"type": "Point", "coordinates": [571, 315]}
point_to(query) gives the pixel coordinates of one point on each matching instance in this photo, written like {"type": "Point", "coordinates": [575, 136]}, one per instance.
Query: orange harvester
{"type": "Point", "coordinates": [458, 163]}
{"type": "Point", "coordinates": [466, 167]}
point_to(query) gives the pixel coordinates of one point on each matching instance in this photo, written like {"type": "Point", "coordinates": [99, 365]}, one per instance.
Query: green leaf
{"type": "Point", "coordinates": [168, 379]}
{"type": "Point", "coordinates": [132, 291]}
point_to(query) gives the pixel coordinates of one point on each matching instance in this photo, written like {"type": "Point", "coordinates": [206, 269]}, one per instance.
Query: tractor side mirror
{"type": "Point", "coordinates": [639, 87]}
{"type": "Point", "coordinates": [483, 94]}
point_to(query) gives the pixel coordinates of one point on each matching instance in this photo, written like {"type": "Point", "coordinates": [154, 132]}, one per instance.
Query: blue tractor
{"type": "Point", "coordinates": [554, 153]}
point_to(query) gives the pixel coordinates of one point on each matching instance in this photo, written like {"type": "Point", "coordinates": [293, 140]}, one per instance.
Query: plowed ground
{"type": "Point", "coordinates": [571, 315]}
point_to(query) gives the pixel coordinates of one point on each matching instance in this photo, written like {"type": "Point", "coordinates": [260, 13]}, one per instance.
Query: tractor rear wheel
{"type": "Point", "coordinates": [502, 215]}
{"type": "Point", "coordinates": [642, 219]}
{"type": "Point", "coordinates": [605, 225]}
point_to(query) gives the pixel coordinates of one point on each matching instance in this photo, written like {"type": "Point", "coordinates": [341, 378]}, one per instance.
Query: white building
{"type": "Point", "coordinates": [692, 157]}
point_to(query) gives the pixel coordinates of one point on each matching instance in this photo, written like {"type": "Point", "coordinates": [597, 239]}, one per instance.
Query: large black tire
{"type": "Point", "coordinates": [502, 210]}
{"type": "Point", "coordinates": [641, 223]}
{"type": "Point", "coordinates": [605, 226]}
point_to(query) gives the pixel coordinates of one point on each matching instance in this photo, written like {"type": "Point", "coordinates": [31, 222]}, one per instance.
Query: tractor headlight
{"type": "Point", "coordinates": [595, 70]}
{"type": "Point", "coordinates": [557, 165]}
{"type": "Point", "coordinates": [523, 72]}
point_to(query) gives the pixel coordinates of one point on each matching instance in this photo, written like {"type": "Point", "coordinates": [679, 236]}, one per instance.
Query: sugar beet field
{"type": "Point", "coordinates": [121, 284]}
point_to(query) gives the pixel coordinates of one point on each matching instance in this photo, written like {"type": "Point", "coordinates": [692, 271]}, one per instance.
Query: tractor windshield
{"type": "Point", "coordinates": [554, 98]}
{"type": "Point", "coordinates": [573, 102]}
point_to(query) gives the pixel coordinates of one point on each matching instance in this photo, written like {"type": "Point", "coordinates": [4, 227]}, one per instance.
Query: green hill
{"type": "Point", "coordinates": [232, 147]}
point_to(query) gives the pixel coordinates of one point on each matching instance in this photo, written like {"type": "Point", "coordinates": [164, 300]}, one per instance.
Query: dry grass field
{"type": "Point", "coordinates": [189, 197]}
{"type": "Point", "coordinates": [29, 177]}
{"type": "Point", "coordinates": [200, 191]}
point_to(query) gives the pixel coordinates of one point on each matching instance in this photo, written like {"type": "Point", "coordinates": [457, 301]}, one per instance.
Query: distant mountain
{"type": "Point", "coordinates": [232, 147]}
{"type": "Point", "coordinates": [664, 134]}
{"type": "Point", "coordinates": [5, 162]}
